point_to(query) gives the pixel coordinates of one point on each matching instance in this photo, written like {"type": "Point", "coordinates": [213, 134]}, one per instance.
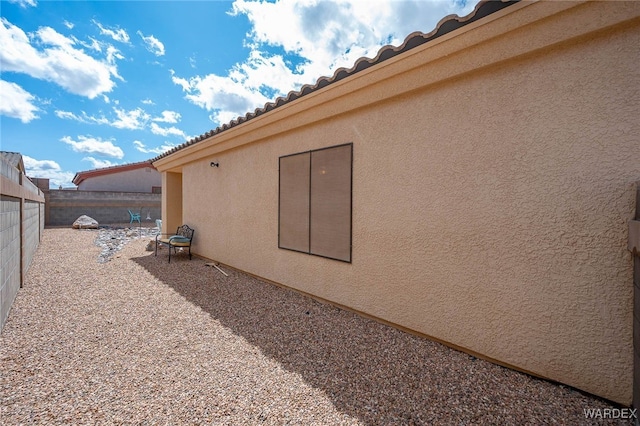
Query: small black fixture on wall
{"type": "Point", "coordinates": [213, 164]}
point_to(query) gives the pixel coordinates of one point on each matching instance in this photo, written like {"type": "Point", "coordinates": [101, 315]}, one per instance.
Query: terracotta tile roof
{"type": "Point", "coordinates": [80, 176]}
{"type": "Point", "coordinates": [413, 40]}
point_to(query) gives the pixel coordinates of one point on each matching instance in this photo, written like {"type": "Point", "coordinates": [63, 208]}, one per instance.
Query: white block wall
{"type": "Point", "coordinates": [10, 249]}
{"type": "Point", "coordinates": [31, 222]}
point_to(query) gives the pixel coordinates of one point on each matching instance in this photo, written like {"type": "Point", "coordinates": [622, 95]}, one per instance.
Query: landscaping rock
{"type": "Point", "coordinates": [85, 222]}
{"type": "Point", "coordinates": [113, 239]}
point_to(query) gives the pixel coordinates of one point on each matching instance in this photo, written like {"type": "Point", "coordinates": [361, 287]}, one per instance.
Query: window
{"type": "Point", "coordinates": [156, 190]}
{"type": "Point", "coordinates": [315, 202]}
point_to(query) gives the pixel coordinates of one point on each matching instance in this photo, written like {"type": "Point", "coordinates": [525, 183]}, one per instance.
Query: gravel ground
{"type": "Point", "coordinates": [136, 340]}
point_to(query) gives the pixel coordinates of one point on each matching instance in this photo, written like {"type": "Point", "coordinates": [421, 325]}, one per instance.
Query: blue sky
{"type": "Point", "coordinates": [90, 84]}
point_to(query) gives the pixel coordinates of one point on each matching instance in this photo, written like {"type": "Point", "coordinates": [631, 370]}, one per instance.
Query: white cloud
{"type": "Point", "coordinates": [318, 37]}
{"type": "Point", "coordinates": [112, 55]}
{"type": "Point", "coordinates": [132, 119]}
{"type": "Point", "coordinates": [83, 117]}
{"type": "Point", "coordinates": [148, 102]}
{"type": "Point", "coordinates": [229, 97]}
{"type": "Point", "coordinates": [244, 89]}
{"type": "Point", "coordinates": [68, 115]}
{"type": "Point", "coordinates": [182, 82]}
{"type": "Point", "coordinates": [166, 131]}
{"type": "Point", "coordinates": [152, 44]}
{"type": "Point", "coordinates": [93, 45]}
{"type": "Point", "coordinates": [47, 169]}
{"type": "Point", "coordinates": [335, 33]}
{"type": "Point", "coordinates": [40, 165]}
{"type": "Point", "coordinates": [136, 119]}
{"type": "Point", "coordinates": [118, 34]}
{"type": "Point", "coordinates": [16, 102]}
{"type": "Point", "coordinates": [25, 3]}
{"type": "Point", "coordinates": [157, 150]}
{"type": "Point", "coordinates": [99, 164]}
{"type": "Point", "coordinates": [92, 145]}
{"type": "Point", "coordinates": [68, 24]}
{"type": "Point", "coordinates": [51, 37]}
{"type": "Point", "coordinates": [168, 117]}
{"type": "Point", "coordinates": [56, 60]}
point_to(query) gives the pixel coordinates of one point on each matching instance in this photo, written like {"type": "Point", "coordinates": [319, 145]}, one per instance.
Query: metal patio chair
{"type": "Point", "coordinates": [181, 239]}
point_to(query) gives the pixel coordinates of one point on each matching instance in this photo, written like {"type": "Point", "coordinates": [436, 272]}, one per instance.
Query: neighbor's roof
{"type": "Point", "coordinates": [13, 158]}
{"type": "Point", "coordinates": [413, 40]}
{"type": "Point", "coordinates": [80, 176]}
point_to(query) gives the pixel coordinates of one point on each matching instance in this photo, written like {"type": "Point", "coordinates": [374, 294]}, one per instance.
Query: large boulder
{"type": "Point", "coordinates": [85, 222]}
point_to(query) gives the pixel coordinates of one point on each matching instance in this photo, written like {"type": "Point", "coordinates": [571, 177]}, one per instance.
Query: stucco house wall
{"type": "Point", "coordinates": [132, 177]}
{"type": "Point", "coordinates": [493, 179]}
{"type": "Point", "coordinates": [138, 180]}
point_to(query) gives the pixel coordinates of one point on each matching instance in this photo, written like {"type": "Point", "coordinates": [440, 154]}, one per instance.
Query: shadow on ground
{"type": "Point", "coordinates": [370, 371]}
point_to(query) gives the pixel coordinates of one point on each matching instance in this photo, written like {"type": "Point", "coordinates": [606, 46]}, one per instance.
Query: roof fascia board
{"type": "Point", "coordinates": [527, 27]}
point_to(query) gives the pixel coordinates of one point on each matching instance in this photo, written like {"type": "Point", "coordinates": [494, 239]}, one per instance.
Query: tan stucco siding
{"type": "Point", "coordinates": [171, 202]}
{"type": "Point", "coordinates": [490, 211]}
{"type": "Point", "coordinates": [139, 180]}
